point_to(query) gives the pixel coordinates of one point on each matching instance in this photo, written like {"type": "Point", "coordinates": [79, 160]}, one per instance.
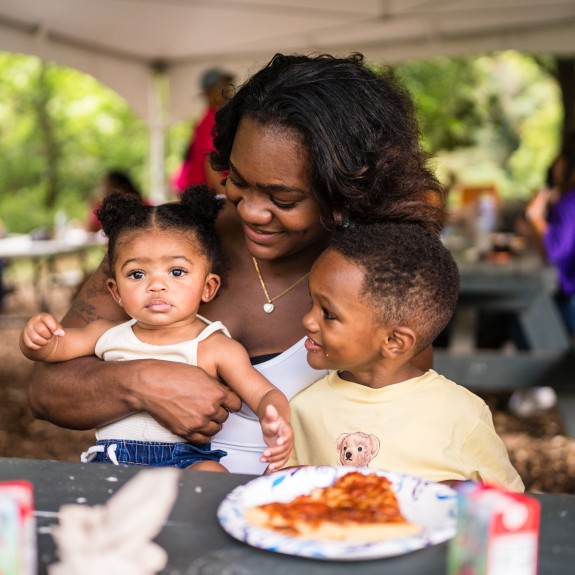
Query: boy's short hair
{"type": "Point", "coordinates": [411, 278]}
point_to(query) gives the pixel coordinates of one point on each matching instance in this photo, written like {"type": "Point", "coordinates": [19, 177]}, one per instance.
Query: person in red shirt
{"type": "Point", "coordinates": [217, 86]}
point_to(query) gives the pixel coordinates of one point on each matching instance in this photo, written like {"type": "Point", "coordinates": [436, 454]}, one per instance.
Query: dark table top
{"type": "Point", "coordinates": [197, 545]}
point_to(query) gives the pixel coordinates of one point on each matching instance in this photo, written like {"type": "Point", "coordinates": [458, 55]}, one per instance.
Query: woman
{"type": "Point", "coordinates": [552, 214]}
{"type": "Point", "coordinates": [311, 143]}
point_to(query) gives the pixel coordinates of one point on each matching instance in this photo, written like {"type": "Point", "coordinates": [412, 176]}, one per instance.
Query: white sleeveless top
{"type": "Point", "coordinates": [241, 435]}
{"type": "Point", "coordinates": [120, 344]}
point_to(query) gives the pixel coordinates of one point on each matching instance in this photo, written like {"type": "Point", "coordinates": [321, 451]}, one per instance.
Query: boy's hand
{"type": "Point", "coordinates": [39, 331]}
{"type": "Point", "coordinates": [278, 435]}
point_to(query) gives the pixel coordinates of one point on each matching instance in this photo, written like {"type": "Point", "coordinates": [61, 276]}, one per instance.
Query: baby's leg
{"type": "Point", "coordinates": [208, 465]}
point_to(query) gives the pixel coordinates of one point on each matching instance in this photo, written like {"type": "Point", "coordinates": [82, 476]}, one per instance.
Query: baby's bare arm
{"type": "Point", "coordinates": [262, 397]}
{"type": "Point", "coordinates": [44, 339]}
{"type": "Point", "coordinates": [229, 360]}
{"type": "Point", "coordinates": [38, 338]}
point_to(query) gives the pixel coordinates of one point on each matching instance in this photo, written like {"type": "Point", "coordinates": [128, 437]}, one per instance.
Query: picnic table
{"type": "Point", "coordinates": [522, 286]}
{"type": "Point", "coordinates": [43, 255]}
{"type": "Point", "coordinates": [197, 544]}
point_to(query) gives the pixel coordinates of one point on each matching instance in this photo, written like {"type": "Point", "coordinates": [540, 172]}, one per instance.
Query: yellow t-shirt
{"type": "Point", "coordinates": [428, 426]}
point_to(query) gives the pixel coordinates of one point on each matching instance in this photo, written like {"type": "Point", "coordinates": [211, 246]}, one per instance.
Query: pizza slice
{"type": "Point", "coordinates": [357, 507]}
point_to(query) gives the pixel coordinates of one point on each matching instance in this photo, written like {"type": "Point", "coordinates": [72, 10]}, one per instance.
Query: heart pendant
{"type": "Point", "coordinates": [269, 307]}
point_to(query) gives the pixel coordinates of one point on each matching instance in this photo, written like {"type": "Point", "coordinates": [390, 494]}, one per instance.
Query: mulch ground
{"type": "Point", "coordinates": [538, 446]}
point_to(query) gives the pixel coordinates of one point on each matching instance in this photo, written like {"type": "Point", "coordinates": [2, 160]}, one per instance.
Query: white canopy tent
{"type": "Point", "coordinates": [152, 52]}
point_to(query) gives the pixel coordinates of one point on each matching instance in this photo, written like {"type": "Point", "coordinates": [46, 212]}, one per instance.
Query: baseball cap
{"type": "Point", "coordinates": [214, 75]}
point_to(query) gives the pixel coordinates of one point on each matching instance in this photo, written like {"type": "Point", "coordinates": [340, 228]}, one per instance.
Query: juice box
{"type": "Point", "coordinates": [17, 529]}
{"type": "Point", "coordinates": [497, 533]}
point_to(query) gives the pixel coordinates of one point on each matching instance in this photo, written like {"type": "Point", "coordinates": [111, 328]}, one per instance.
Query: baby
{"type": "Point", "coordinates": [163, 262]}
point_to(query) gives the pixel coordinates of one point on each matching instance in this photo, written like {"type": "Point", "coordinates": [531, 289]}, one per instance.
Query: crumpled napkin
{"type": "Point", "coordinates": [116, 538]}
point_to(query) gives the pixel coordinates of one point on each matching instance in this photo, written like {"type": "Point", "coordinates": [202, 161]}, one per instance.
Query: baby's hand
{"type": "Point", "coordinates": [39, 331]}
{"type": "Point", "coordinates": [278, 435]}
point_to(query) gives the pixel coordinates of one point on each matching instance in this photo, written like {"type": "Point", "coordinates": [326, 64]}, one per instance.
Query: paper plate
{"type": "Point", "coordinates": [432, 506]}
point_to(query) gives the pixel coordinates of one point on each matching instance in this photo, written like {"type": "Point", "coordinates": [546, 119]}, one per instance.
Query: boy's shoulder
{"type": "Point", "coordinates": [318, 387]}
{"type": "Point", "coordinates": [453, 395]}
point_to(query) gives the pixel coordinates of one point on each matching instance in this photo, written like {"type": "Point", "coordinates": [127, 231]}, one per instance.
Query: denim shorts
{"type": "Point", "coordinates": [150, 453]}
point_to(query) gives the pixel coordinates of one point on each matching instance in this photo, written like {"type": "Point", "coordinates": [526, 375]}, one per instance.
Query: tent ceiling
{"type": "Point", "coordinates": [121, 42]}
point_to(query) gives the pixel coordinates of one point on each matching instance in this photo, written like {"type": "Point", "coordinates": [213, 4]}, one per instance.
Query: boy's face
{"type": "Point", "coordinates": [342, 333]}
{"type": "Point", "coordinates": [161, 278]}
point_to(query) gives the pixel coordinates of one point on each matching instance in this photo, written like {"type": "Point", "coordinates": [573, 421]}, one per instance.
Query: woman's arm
{"type": "Point", "coordinates": [87, 392]}
{"type": "Point", "coordinates": [536, 212]}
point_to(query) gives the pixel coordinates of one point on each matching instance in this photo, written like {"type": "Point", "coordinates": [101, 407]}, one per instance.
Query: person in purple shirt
{"type": "Point", "coordinates": [552, 214]}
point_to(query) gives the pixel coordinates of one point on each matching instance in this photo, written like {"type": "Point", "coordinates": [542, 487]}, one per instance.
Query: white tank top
{"type": "Point", "coordinates": [241, 435]}
{"type": "Point", "coordinates": [119, 344]}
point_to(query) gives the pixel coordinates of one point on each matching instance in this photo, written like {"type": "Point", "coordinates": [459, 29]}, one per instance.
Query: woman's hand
{"type": "Point", "coordinates": [184, 399]}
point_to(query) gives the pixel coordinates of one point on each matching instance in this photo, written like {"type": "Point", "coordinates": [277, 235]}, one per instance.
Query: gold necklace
{"type": "Point", "coordinates": [269, 305]}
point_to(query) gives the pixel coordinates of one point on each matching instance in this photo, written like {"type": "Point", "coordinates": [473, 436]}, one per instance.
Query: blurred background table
{"type": "Point", "coordinates": [520, 287]}
{"type": "Point", "coordinates": [45, 255]}
{"type": "Point", "coordinates": [197, 545]}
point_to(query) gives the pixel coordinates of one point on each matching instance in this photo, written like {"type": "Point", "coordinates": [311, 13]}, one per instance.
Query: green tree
{"type": "Point", "coordinates": [494, 118]}
{"type": "Point", "coordinates": [60, 130]}
{"type": "Point", "coordinates": [444, 91]}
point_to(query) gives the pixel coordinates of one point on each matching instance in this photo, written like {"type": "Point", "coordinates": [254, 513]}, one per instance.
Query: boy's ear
{"type": "Point", "coordinates": [113, 287]}
{"type": "Point", "coordinates": [211, 287]}
{"type": "Point", "coordinates": [398, 341]}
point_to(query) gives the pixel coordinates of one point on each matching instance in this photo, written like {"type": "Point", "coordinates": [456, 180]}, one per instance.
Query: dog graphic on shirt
{"type": "Point", "coordinates": [357, 449]}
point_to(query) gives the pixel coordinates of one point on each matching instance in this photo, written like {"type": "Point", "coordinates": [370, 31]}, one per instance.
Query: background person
{"type": "Point", "coordinates": [217, 87]}
{"type": "Point", "coordinates": [552, 214]}
{"type": "Point", "coordinates": [310, 143]}
{"type": "Point", "coordinates": [4, 289]}
{"type": "Point", "coordinates": [112, 181]}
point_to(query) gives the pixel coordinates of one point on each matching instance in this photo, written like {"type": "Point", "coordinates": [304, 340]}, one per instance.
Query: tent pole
{"type": "Point", "coordinates": [157, 124]}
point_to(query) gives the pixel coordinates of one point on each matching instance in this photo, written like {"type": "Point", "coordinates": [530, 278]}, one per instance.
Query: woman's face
{"type": "Point", "coordinates": [269, 183]}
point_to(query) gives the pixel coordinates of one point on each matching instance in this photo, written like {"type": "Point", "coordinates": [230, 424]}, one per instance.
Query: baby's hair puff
{"type": "Point", "coordinates": [194, 215]}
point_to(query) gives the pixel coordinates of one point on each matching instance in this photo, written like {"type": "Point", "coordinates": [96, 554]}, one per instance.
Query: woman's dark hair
{"type": "Point", "coordinates": [360, 131]}
{"type": "Point", "coordinates": [194, 214]}
{"type": "Point", "coordinates": [410, 277]}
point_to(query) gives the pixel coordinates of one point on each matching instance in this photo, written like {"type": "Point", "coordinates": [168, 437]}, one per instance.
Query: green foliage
{"type": "Point", "coordinates": [60, 130]}
{"type": "Point", "coordinates": [177, 139]}
{"type": "Point", "coordinates": [444, 93]}
{"type": "Point", "coordinates": [495, 118]}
